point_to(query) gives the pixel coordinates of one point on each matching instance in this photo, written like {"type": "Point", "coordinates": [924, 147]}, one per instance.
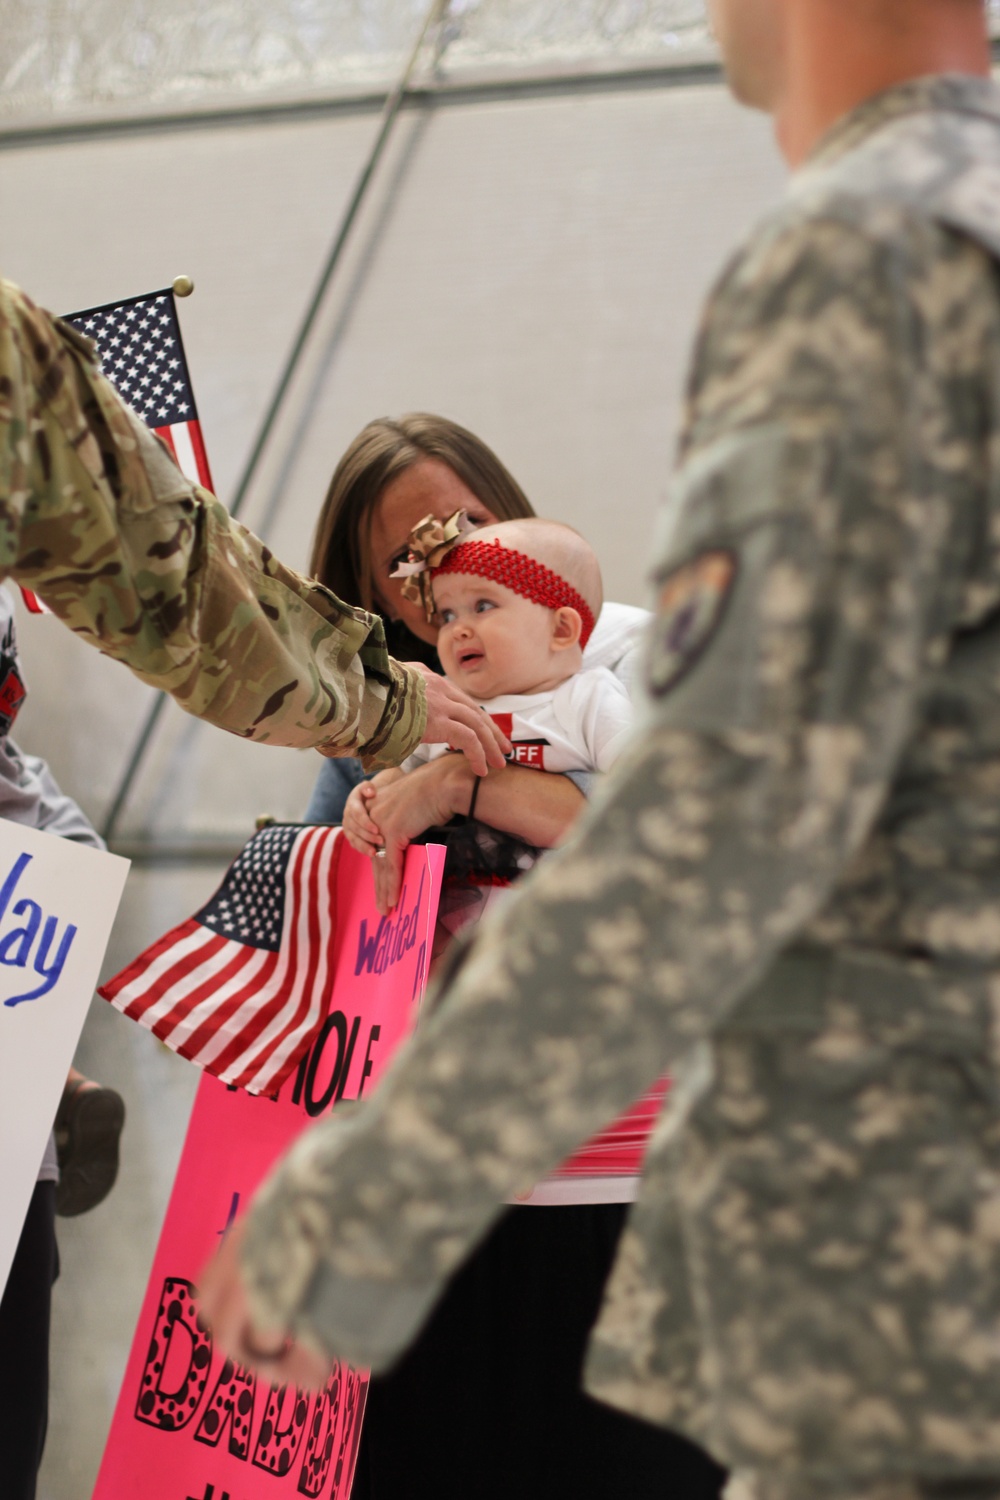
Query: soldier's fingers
{"type": "Point", "coordinates": [476, 736]}
{"type": "Point", "coordinates": [453, 719]}
{"type": "Point", "coordinates": [293, 1364]}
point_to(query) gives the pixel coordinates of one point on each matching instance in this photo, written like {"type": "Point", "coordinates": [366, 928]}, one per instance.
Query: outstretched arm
{"type": "Point", "coordinates": [97, 519]}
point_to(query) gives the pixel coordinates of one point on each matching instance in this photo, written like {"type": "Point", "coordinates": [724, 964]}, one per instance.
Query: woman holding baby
{"type": "Point", "coordinates": [488, 1402]}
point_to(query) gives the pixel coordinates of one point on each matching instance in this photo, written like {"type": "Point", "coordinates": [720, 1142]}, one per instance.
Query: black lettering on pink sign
{"type": "Point", "coordinates": [180, 1354]}
{"type": "Point", "coordinates": [231, 1406]}
{"type": "Point", "coordinates": [281, 1430]}
{"type": "Point", "coordinates": [320, 1446]}
{"type": "Point", "coordinates": [355, 1391]}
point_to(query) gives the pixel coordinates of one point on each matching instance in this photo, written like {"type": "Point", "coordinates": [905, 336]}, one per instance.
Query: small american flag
{"type": "Point", "coordinates": [242, 986]}
{"type": "Point", "coordinates": [142, 354]}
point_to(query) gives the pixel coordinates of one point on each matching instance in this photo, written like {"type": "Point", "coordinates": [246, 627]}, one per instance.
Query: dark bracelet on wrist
{"type": "Point", "coordinates": [472, 802]}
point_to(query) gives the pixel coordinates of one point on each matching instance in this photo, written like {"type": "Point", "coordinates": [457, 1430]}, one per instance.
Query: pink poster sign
{"type": "Point", "coordinates": [189, 1424]}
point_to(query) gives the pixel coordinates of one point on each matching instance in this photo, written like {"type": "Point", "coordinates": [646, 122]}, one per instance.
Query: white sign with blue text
{"type": "Point", "coordinates": [58, 901]}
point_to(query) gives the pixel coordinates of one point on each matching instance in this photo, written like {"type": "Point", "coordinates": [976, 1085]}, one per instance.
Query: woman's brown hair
{"type": "Point", "coordinates": [341, 554]}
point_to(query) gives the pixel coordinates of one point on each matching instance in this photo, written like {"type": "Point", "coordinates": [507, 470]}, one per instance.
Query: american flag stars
{"type": "Point", "coordinates": [248, 905]}
{"type": "Point", "coordinates": [141, 354]}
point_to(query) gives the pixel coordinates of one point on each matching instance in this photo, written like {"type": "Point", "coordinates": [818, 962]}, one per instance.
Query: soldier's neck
{"type": "Point", "coordinates": [837, 60]}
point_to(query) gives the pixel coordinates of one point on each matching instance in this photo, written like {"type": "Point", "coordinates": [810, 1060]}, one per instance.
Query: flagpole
{"type": "Point", "coordinates": [394, 101]}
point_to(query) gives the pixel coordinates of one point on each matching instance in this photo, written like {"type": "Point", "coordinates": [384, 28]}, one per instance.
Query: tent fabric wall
{"type": "Point", "coordinates": [531, 267]}
{"type": "Point", "coordinates": [59, 58]}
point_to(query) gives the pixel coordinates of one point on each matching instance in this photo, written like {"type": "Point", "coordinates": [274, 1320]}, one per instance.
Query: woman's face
{"type": "Point", "coordinates": [427, 488]}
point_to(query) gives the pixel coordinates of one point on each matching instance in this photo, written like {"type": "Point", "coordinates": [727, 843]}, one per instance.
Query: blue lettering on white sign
{"type": "Point", "coordinates": [16, 944]}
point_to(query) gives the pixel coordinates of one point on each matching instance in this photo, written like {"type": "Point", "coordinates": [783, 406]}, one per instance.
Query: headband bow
{"type": "Point", "coordinates": [426, 546]}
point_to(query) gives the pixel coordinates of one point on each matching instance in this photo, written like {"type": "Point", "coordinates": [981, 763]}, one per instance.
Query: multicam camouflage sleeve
{"type": "Point", "coordinates": [96, 518]}
{"type": "Point", "coordinates": [828, 502]}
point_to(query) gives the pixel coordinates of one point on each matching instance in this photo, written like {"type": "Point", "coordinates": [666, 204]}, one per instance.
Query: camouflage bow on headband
{"type": "Point", "coordinates": [426, 545]}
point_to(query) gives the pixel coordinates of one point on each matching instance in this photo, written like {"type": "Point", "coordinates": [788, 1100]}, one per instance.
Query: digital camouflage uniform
{"type": "Point", "coordinates": [97, 519]}
{"type": "Point", "coordinates": [788, 893]}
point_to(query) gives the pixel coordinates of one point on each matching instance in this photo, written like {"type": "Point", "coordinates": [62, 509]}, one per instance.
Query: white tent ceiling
{"type": "Point", "coordinates": [82, 57]}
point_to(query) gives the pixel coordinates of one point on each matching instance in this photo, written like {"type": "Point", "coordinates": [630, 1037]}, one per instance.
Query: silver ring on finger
{"type": "Point", "coordinates": [380, 854]}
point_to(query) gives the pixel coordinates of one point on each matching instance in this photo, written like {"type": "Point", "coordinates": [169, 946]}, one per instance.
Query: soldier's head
{"type": "Point", "coordinates": [392, 475]}
{"type": "Point", "coordinates": [808, 62]}
{"type": "Point", "coordinates": [752, 38]}
{"type": "Point", "coordinates": [516, 604]}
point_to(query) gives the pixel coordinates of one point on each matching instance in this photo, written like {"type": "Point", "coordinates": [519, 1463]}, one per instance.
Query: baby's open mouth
{"type": "Point", "coordinates": [469, 658]}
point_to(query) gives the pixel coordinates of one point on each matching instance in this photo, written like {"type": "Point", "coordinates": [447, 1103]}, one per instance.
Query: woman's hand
{"type": "Point", "coordinates": [454, 719]}
{"type": "Point", "coordinates": [406, 805]}
{"type": "Point", "coordinates": [532, 805]}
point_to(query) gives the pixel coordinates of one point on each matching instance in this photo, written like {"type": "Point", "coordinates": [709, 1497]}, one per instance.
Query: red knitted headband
{"type": "Point", "coordinates": [516, 571]}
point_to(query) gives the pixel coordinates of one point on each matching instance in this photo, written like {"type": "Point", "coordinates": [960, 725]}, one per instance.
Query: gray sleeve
{"type": "Point", "coordinates": [29, 794]}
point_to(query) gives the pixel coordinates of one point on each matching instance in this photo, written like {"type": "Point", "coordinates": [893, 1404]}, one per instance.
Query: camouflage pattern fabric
{"type": "Point", "coordinates": [787, 894]}
{"type": "Point", "coordinates": [97, 519]}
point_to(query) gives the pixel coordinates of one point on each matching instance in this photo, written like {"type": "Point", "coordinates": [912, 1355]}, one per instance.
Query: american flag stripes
{"type": "Point", "coordinates": [620, 1149]}
{"type": "Point", "coordinates": [241, 988]}
{"type": "Point", "coordinates": [142, 354]}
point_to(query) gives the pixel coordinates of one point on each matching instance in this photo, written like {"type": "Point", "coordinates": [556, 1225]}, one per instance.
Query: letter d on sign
{"type": "Point", "coordinates": [180, 1353]}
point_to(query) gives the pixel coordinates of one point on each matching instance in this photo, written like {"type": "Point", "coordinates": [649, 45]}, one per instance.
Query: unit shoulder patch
{"type": "Point", "coordinates": [690, 606]}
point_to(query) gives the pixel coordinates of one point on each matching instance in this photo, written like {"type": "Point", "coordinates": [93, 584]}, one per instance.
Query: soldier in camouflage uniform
{"type": "Point", "coordinates": [98, 520]}
{"type": "Point", "coordinates": [788, 893]}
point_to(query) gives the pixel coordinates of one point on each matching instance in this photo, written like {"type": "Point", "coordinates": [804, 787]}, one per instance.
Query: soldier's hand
{"type": "Point", "coordinates": [222, 1303]}
{"type": "Point", "coordinates": [454, 719]}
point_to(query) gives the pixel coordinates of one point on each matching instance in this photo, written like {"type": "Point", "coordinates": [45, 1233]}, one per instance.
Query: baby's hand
{"type": "Point", "coordinates": [360, 829]}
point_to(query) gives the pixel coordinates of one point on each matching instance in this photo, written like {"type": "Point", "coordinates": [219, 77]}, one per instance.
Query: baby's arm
{"type": "Point", "coordinates": [360, 828]}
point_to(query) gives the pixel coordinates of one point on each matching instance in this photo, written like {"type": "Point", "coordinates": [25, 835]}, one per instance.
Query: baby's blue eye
{"type": "Point", "coordinates": [482, 605]}
{"type": "Point", "coordinates": [447, 615]}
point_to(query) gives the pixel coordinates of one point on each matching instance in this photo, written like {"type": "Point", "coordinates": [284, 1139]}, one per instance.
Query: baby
{"type": "Point", "coordinates": [516, 603]}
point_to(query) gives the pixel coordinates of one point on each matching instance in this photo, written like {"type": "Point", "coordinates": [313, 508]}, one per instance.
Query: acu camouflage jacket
{"type": "Point", "coordinates": [816, 785]}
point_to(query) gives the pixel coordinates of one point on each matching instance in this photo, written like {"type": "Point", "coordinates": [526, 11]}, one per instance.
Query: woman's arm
{"type": "Point", "coordinates": [532, 805]}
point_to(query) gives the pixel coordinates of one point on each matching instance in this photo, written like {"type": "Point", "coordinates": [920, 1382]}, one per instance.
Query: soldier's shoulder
{"type": "Point", "coordinates": [905, 177]}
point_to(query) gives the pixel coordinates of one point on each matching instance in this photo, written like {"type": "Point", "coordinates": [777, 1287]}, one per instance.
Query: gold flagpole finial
{"type": "Point", "coordinates": [183, 286]}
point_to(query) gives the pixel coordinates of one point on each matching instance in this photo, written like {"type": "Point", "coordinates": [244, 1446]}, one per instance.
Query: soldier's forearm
{"type": "Point", "coordinates": [96, 518]}
{"type": "Point", "coordinates": [402, 725]}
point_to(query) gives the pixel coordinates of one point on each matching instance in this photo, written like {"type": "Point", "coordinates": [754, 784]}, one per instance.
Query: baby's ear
{"type": "Point", "coordinates": [566, 627]}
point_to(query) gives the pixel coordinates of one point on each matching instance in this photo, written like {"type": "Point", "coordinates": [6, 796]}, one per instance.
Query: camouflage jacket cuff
{"type": "Point", "coordinates": [366, 1323]}
{"type": "Point", "coordinates": [402, 725]}
{"type": "Point", "coordinates": [363, 1318]}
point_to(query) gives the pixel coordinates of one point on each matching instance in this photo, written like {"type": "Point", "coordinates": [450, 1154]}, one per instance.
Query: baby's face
{"type": "Point", "coordinates": [493, 641]}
